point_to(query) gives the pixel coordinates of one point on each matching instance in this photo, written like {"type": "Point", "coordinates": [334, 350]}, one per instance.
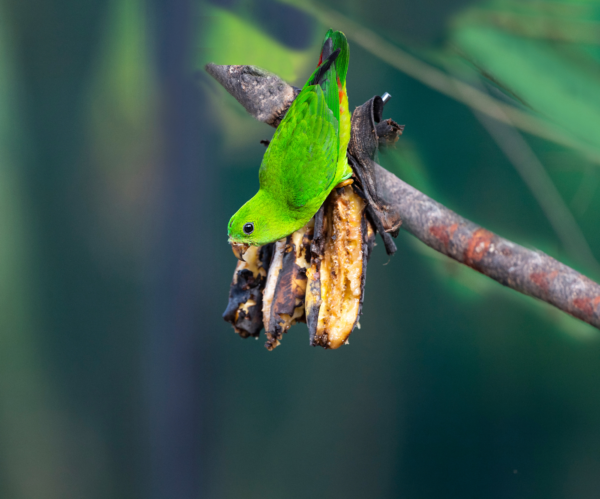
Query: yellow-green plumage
{"type": "Point", "coordinates": [306, 158]}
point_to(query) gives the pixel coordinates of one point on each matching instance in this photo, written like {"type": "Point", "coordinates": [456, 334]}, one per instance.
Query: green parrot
{"type": "Point", "coordinates": [306, 158]}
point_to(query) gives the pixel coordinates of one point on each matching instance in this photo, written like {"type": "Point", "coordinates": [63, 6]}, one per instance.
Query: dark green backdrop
{"type": "Point", "coordinates": [120, 165]}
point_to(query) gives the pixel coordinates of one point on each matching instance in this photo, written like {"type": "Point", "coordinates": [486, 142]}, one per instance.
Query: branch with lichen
{"type": "Point", "coordinates": [266, 97]}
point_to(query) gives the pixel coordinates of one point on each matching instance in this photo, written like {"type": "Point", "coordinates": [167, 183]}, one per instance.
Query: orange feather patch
{"type": "Point", "coordinates": [341, 94]}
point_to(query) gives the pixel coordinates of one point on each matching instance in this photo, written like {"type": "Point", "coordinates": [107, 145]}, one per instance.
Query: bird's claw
{"type": "Point", "coordinates": [345, 183]}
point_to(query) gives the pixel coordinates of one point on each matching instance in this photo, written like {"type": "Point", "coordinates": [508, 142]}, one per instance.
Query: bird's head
{"type": "Point", "coordinates": [262, 221]}
{"type": "Point", "coordinates": [251, 226]}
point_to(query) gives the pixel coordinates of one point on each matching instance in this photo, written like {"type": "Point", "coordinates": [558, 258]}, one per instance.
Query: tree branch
{"type": "Point", "coordinates": [530, 272]}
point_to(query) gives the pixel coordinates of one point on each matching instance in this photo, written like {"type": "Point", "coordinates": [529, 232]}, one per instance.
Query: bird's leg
{"type": "Point", "coordinates": [345, 183]}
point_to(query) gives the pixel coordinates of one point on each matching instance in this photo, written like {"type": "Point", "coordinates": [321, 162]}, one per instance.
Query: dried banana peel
{"type": "Point", "coordinates": [244, 310]}
{"type": "Point", "coordinates": [283, 301]}
{"type": "Point", "coordinates": [315, 275]}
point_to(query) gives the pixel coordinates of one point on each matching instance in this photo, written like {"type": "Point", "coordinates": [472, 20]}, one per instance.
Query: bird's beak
{"type": "Point", "coordinates": [239, 249]}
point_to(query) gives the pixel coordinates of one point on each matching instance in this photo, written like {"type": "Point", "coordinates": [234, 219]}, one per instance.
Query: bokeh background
{"type": "Point", "coordinates": [120, 165]}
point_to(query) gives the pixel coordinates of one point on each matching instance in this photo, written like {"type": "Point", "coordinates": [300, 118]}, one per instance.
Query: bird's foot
{"type": "Point", "coordinates": [345, 183]}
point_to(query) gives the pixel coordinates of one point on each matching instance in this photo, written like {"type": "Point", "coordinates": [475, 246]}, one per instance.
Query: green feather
{"type": "Point", "coordinates": [341, 63]}
{"type": "Point", "coordinates": [304, 160]}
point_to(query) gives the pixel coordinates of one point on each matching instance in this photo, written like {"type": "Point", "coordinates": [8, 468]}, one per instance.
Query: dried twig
{"type": "Point", "coordinates": [527, 271]}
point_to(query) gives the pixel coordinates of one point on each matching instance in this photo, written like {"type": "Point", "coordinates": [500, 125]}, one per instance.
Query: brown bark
{"type": "Point", "coordinates": [530, 272]}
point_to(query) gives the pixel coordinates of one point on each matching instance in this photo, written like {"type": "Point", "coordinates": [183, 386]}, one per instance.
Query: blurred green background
{"type": "Point", "coordinates": [120, 165]}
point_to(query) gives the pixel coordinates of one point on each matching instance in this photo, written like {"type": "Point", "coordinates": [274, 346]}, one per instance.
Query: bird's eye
{"type": "Point", "coordinates": [248, 228]}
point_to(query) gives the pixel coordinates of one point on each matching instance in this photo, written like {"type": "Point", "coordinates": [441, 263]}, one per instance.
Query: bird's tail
{"type": "Point", "coordinates": [331, 71]}
{"type": "Point", "coordinates": [338, 41]}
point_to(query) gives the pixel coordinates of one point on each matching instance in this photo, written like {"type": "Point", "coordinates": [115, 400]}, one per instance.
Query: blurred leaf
{"type": "Point", "coordinates": [231, 39]}
{"type": "Point", "coordinates": [560, 88]}
{"type": "Point", "coordinates": [240, 129]}
{"type": "Point", "coordinates": [572, 22]}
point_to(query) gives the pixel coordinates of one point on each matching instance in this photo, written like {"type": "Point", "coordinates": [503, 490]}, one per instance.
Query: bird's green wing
{"type": "Point", "coordinates": [326, 76]}
{"type": "Point", "coordinates": [299, 166]}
